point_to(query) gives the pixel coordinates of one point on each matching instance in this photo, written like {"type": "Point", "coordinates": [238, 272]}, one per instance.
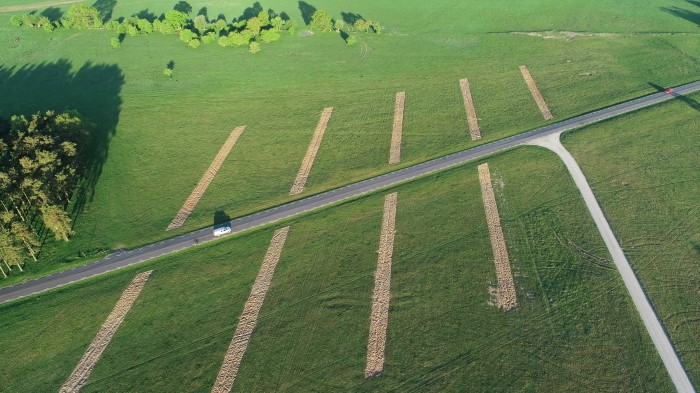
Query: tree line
{"type": "Point", "coordinates": [40, 166]}
{"type": "Point", "coordinates": [265, 27]}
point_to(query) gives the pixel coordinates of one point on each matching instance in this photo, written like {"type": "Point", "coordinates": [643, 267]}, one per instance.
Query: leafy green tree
{"type": "Point", "coordinates": [254, 47]}
{"type": "Point", "coordinates": [201, 24]}
{"type": "Point", "coordinates": [264, 18]}
{"type": "Point", "coordinates": [209, 38]}
{"type": "Point", "coordinates": [321, 21]}
{"type": "Point", "coordinates": [239, 39]}
{"type": "Point", "coordinates": [194, 43]}
{"type": "Point", "coordinates": [375, 26]}
{"type": "Point", "coordinates": [145, 26]}
{"type": "Point", "coordinates": [362, 25]}
{"type": "Point", "coordinates": [187, 35]}
{"type": "Point", "coordinates": [16, 20]}
{"type": "Point", "coordinates": [57, 221]}
{"type": "Point", "coordinates": [176, 19]}
{"type": "Point", "coordinates": [168, 72]}
{"type": "Point", "coordinates": [277, 23]}
{"type": "Point", "coordinates": [254, 25]}
{"type": "Point", "coordinates": [219, 26]}
{"type": "Point", "coordinates": [130, 29]}
{"type": "Point", "coordinates": [268, 36]}
{"type": "Point", "coordinates": [223, 41]}
{"type": "Point", "coordinates": [351, 40]}
{"type": "Point", "coordinates": [83, 16]}
{"type": "Point", "coordinates": [339, 25]}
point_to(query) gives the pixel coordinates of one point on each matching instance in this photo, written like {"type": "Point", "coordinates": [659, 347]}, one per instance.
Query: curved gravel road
{"type": "Point", "coordinates": [128, 258]}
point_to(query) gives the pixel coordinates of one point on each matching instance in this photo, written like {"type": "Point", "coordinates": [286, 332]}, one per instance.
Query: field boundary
{"type": "Point", "coordinates": [82, 371]}
{"type": "Point", "coordinates": [472, 119]}
{"type": "Point", "coordinates": [505, 294]}
{"type": "Point", "coordinates": [541, 103]}
{"type": "Point", "coordinates": [249, 316]}
{"type": "Point", "coordinates": [397, 129]}
{"type": "Point", "coordinates": [206, 179]}
{"type": "Point", "coordinates": [36, 6]}
{"type": "Point", "coordinates": [308, 162]}
{"type": "Point", "coordinates": [379, 318]}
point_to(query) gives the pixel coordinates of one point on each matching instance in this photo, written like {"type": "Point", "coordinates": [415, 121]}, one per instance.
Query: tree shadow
{"type": "Point", "coordinates": [694, 104]}
{"type": "Point", "coordinates": [93, 91]}
{"type": "Point", "coordinates": [307, 11]}
{"type": "Point", "coordinates": [54, 14]}
{"type": "Point", "coordinates": [105, 8]}
{"type": "Point", "coordinates": [344, 35]}
{"type": "Point", "coordinates": [221, 16]}
{"type": "Point", "coordinates": [171, 64]}
{"type": "Point", "coordinates": [183, 6]}
{"type": "Point", "coordinates": [350, 17]}
{"type": "Point", "coordinates": [146, 14]}
{"type": "Point", "coordinates": [251, 11]}
{"type": "Point", "coordinates": [689, 15]}
{"type": "Point", "coordinates": [203, 11]}
{"type": "Point", "coordinates": [221, 218]}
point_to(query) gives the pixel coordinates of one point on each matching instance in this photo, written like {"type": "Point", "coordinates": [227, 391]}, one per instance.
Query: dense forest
{"type": "Point", "coordinates": [40, 166]}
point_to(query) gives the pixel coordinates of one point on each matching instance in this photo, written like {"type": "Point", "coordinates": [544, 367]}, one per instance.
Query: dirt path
{"type": "Point", "coordinates": [84, 368]}
{"type": "Point", "coordinates": [505, 294]}
{"type": "Point", "coordinates": [206, 179]}
{"type": "Point", "coordinates": [474, 129]}
{"type": "Point", "coordinates": [395, 152]}
{"type": "Point", "coordinates": [308, 162]}
{"type": "Point", "coordinates": [536, 93]}
{"type": "Point", "coordinates": [36, 6]}
{"type": "Point", "coordinates": [379, 319]}
{"type": "Point", "coordinates": [249, 316]}
{"type": "Point", "coordinates": [639, 298]}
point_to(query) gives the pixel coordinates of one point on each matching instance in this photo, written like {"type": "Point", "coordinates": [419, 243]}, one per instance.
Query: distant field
{"type": "Point", "coordinates": [645, 171]}
{"type": "Point", "coordinates": [575, 328]}
{"type": "Point", "coordinates": [162, 133]}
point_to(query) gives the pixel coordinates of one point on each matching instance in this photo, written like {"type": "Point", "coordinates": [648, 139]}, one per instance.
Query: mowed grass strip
{"type": "Point", "coordinates": [536, 94]}
{"type": "Point", "coordinates": [36, 6]}
{"type": "Point", "coordinates": [308, 162]}
{"type": "Point", "coordinates": [472, 119]}
{"type": "Point", "coordinates": [206, 179]}
{"type": "Point", "coordinates": [84, 368]}
{"type": "Point", "coordinates": [249, 317]}
{"type": "Point", "coordinates": [506, 296]}
{"type": "Point", "coordinates": [379, 318]}
{"type": "Point", "coordinates": [397, 129]}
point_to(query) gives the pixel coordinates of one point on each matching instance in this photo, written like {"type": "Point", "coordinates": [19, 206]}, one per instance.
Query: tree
{"type": "Point", "coordinates": [26, 236]}
{"type": "Point", "coordinates": [268, 36]}
{"type": "Point", "coordinates": [16, 20]}
{"type": "Point", "coordinates": [176, 19]}
{"type": "Point", "coordinates": [57, 221]}
{"type": "Point", "coordinates": [83, 16]}
{"type": "Point", "coordinates": [254, 47]}
{"type": "Point", "coordinates": [277, 23]}
{"type": "Point", "coordinates": [187, 35]}
{"type": "Point", "coordinates": [10, 253]}
{"type": "Point", "coordinates": [321, 21]}
{"type": "Point", "coordinates": [375, 26]}
{"type": "Point", "coordinates": [254, 25]}
{"type": "Point", "coordinates": [362, 25]}
{"type": "Point", "coordinates": [201, 24]}
{"type": "Point", "coordinates": [351, 40]}
{"type": "Point", "coordinates": [219, 26]}
{"type": "Point", "coordinates": [145, 26]}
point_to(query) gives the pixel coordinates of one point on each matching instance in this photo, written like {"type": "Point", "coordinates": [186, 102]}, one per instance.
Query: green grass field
{"type": "Point", "coordinates": [574, 330]}
{"type": "Point", "coordinates": [644, 170]}
{"type": "Point", "coordinates": [161, 134]}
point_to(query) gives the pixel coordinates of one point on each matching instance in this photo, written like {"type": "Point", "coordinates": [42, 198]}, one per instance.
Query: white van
{"type": "Point", "coordinates": [222, 230]}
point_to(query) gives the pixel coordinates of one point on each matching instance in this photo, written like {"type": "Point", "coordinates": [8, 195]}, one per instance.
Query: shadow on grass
{"type": "Point", "coordinates": [92, 90]}
{"type": "Point", "coordinates": [307, 11]}
{"type": "Point", "coordinates": [105, 8]}
{"type": "Point", "coordinates": [221, 218]}
{"type": "Point", "coordinates": [350, 17]}
{"type": "Point", "coordinates": [689, 15]}
{"type": "Point", "coordinates": [694, 104]}
{"type": "Point", "coordinates": [54, 14]}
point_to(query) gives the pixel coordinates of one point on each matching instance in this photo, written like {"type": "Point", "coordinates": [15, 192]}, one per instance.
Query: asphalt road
{"type": "Point", "coordinates": [641, 302]}
{"type": "Point", "coordinates": [128, 258]}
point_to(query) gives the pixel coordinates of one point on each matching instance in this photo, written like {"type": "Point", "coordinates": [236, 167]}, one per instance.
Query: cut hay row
{"type": "Point", "coordinates": [505, 293]}
{"type": "Point", "coordinates": [536, 93]}
{"type": "Point", "coordinates": [395, 152]}
{"type": "Point", "coordinates": [249, 316]}
{"type": "Point", "coordinates": [474, 129]}
{"type": "Point", "coordinates": [36, 6]}
{"type": "Point", "coordinates": [308, 162]}
{"type": "Point", "coordinates": [206, 179]}
{"type": "Point", "coordinates": [379, 319]}
{"type": "Point", "coordinates": [82, 371]}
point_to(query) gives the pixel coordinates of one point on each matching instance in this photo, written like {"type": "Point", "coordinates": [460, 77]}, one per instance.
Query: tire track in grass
{"type": "Point", "coordinates": [249, 316]}
{"type": "Point", "coordinates": [206, 179]}
{"type": "Point", "coordinates": [84, 368]}
{"type": "Point", "coordinates": [506, 297]}
{"type": "Point", "coordinates": [473, 120]}
{"type": "Point", "coordinates": [379, 319]}
{"type": "Point", "coordinates": [397, 131]}
{"type": "Point", "coordinates": [308, 162]}
{"type": "Point", "coordinates": [536, 93]}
